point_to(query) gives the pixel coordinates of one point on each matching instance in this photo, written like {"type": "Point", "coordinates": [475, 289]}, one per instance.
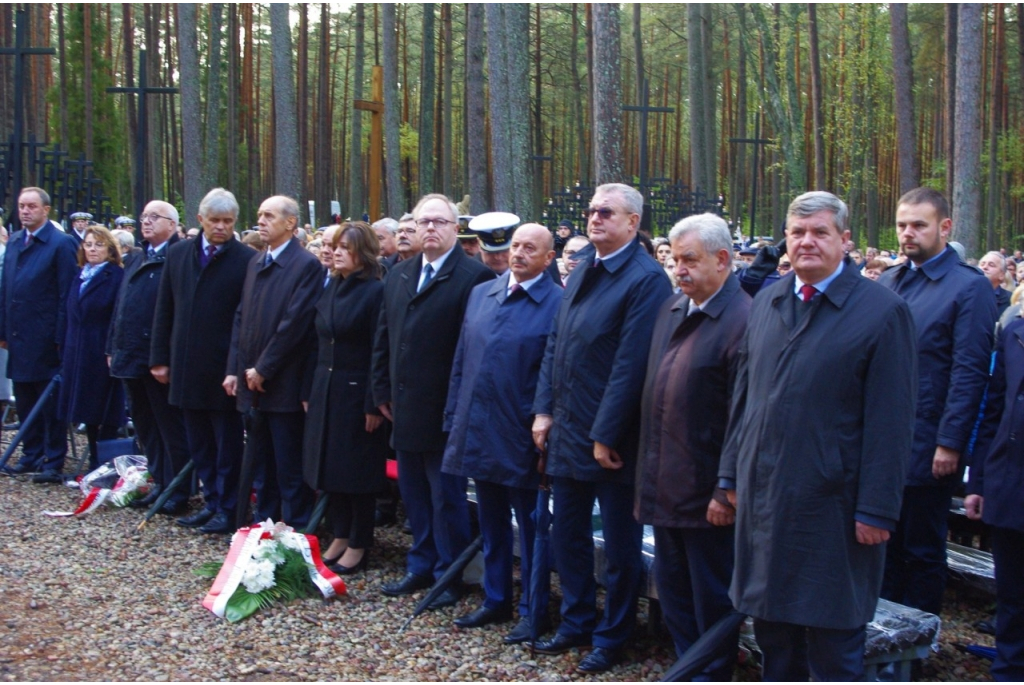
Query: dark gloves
{"type": "Point", "coordinates": [765, 263]}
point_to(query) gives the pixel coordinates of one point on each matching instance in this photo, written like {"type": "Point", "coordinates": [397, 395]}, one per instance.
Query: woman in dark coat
{"type": "Point", "coordinates": [88, 394]}
{"type": "Point", "coordinates": [344, 449]}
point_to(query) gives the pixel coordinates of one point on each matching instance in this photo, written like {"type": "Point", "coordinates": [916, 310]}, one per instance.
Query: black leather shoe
{"type": "Point", "coordinates": [409, 584]}
{"type": "Point", "coordinates": [521, 633]}
{"type": "Point", "coordinates": [173, 508]}
{"type": "Point", "coordinates": [147, 501]}
{"type": "Point", "coordinates": [48, 477]}
{"type": "Point", "coordinates": [561, 643]}
{"type": "Point", "coordinates": [195, 520]}
{"type": "Point", "coordinates": [484, 616]}
{"type": "Point", "coordinates": [598, 660]}
{"type": "Point", "coordinates": [18, 469]}
{"type": "Point", "coordinates": [446, 599]}
{"type": "Point", "coordinates": [349, 570]}
{"type": "Point", "coordinates": [218, 524]}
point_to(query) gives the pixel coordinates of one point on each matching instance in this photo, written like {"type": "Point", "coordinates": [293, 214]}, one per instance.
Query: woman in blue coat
{"type": "Point", "coordinates": [88, 394]}
{"type": "Point", "coordinates": [344, 448]}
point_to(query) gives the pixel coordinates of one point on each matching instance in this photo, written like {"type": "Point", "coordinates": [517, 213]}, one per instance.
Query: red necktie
{"type": "Point", "coordinates": [807, 292]}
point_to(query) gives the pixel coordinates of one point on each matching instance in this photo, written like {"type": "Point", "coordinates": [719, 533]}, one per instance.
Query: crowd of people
{"type": "Point", "coordinates": [792, 421]}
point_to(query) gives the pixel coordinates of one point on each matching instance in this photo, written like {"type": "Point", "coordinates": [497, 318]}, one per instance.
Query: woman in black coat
{"type": "Point", "coordinates": [88, 394]}
{"type": "Point", "coordinates": [344, 448]}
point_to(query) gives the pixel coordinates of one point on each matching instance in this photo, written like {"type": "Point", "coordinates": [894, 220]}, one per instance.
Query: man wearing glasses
{"type": "Point", "coordinates": [587, 418]}
{"type": "Point", "coordinates": [407, 240]}
{"type": "Point", "coordinates": [420, 320]}
{"type": "Point", "coordinates": [160, 425]}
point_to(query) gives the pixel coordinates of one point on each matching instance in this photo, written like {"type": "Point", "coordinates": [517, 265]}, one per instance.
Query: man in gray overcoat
{"type": "Point", "coordinates": [821, 426]}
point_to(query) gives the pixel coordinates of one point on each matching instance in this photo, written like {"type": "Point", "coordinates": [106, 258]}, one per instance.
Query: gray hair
{"type": "Point", "coordinates": [124, 238]}
{"type": "Point", "coordinates": [387, 222]}
{"type": "Point", "coordinates": [218, 201]}
{"type": "Point", "coordinates": [1000, 259]}
{"type": "Point", "coordinates": [406, 217]}
{"type": "Point", "coordinates": [959, 249]}
{"type": "Point", "coordinates": [632, 198]}
{"type": "Point", "coordinates": [436, 196]}
{"type": "Point", "coordinates": [712, 229]}
{"type": "Point", "coordinates": [820, 201]}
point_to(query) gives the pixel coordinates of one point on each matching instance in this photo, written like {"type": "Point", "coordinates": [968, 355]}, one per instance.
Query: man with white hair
{"type": "Point", "coordinates": [993, 265]}
{"type": "Point", "coordinates": [385, 229]}
{"type": "Point", "coordinates": [691, 368]}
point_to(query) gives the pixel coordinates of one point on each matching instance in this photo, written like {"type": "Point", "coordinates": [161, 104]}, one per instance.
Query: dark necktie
{"type": "Point", "coordinates": [807, 292]}
{"type": "Point", "coordinates": [428, 274]}
{"type": "Point", "coordinates": [28, 238]}
{"type": "Point", "coordinates": [514, 289]}
{"type": "Point", "coordinates": [269, 260]}
{"type": "Point", "coordinates": [207, 256]}
{"type": "Point", "coordinates": [150, 254]}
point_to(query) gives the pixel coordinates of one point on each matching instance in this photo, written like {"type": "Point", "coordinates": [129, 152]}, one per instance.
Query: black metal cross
{"type": "Point", "coordinates": [20, 51]}
{"type": "Point", "coordinates": [757, 141]}
{"type": "Point", "coordinates": [141, 135]}
{"type": "Point", "coordinates": [645, 110]}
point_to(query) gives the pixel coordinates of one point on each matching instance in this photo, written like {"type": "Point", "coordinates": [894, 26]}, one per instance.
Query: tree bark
{"type": "Point", "coordinates": [192, 145]}
{"type": "Point", "coordinates": [816, 98]}
{"type": "Point", "coordinates": [287, 180]}
{"type": "Point", "coordinates": [231, 127]}
{"type": "Point", "coordinates": [607, 96]}
{"type": "Point", "coordinates": [446, 104]}
{"type": "Point", "coordinates": [695, 61]}
{"type": "Point", "coordinates": [213, 100]}
{"type": "Point", "coordinates": [967, 143]}
{"type": "Point", "coordinates": [428, 84]}
{"type": "Point", "coordinates": [497, 80]}
{"type": "Point", "coordinates": [995, 121]}
{"type": "Point", "coordinates": [324, 130]}
{"type": "Point", "coordinates": [710, 104]}
{"type": "Point", "coordinates": [355, 160]}
{"type": "Point", "coordinates": [952, 33]}
{"type": "Point", "coordinates": [903, 73]}
{"type": "Point", "coordinates": [392, 116]}
{"type": "Point", "coordinates": [517, 23]}
{"type": "Point", "coordinates": [476, 112]}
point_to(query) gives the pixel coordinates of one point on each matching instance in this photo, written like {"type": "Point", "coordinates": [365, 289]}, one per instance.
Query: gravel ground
{"type": "Point", "coordinates": [96, 599]}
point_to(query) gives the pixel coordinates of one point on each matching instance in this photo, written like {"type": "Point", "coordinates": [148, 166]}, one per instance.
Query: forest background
{"type": "Point", "coordinates": [512, 103]}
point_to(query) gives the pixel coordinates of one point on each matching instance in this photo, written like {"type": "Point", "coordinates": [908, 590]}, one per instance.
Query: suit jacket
{"type": "Point", "coordinates": [130, 336]}
{"type": "Point", "coordinates": [997, 468]}
{"type": "Point", "coordinates": [415, 346]}
{"type": "Point", "coordinates": [687, 393]}
{"type": "Point", "coordinates": [88, 394]}
{"type": "Point", "coordinates": [1002, 300]}
{"type": "Point", "coordinates": [195, 312]}
{"type": "Point", "coordinates": [954, 314]}
{"type": "Point", "coordinates": [819, 433]}
{"type": "Point", "coordinates": [273, 328]}
{"type": "Point", "coordinates": [493, 381]}
{"type": "Point", "coordinates": [594, 363]}
{"type": "Point", "coordinates": [33, 302]}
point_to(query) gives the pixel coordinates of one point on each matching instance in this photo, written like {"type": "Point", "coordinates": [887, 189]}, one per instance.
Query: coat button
{"type": "Point", "coordinates": [401, 386]}
{"type": "Point", "coordinates": [1013, 437]}
{"type": "Point", "coordinates": [412, 307]}
{"type": "Point", "coordinates": [403, 347]}
{"type": "Point", "coordinates": [1020, 398]}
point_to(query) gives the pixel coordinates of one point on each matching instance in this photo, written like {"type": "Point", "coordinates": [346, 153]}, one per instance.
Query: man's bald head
{"type": "Point", "coordinates": [531, 251]}
{"type": "Point", "coordinates": [159, 222]}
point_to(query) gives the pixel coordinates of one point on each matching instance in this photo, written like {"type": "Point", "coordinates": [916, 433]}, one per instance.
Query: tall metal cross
{"type": "Point", "coordinates": [141, 134]}
{"type": "Point", "coordinates": [20, 51]}
{"type": "Point", "coordinates": [758, 142]}
{"type": "Point", "coordinates": [645, 110]}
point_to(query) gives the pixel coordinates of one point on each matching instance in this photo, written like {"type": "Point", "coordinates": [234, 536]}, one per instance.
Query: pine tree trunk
{"type": "Point", "coordinates": [710, 104]}
{"type": "Point", "coordinates": [428, 84]}
{"type": "Point", "coordinates": [446, 105]}
{"type": "Point", "coordinates": [286, 161]}
{"type": "Point", "coordinates": [392, 115]}
{"type": "Point", "coordinates": [607, 99]}
{"type": "Point", "coordinates": [213, 99]}
{"type": "Point", "coordinates": [497, 81]}
{"type": "Point", "coordinates": [476, 113]}
{"type": "Point", "coordinates": [816, 103]}
{"type": "Point", "coordinates": [903, 73]}
{"type": "Point", "coordinates": [324, 129]}
{"type": "Point", "coordinates": [231, 127]}
{"type": "Point", "coordinates": [952, 33]}
{"type": "Point", "coordinates": [995, 121]}
{"type": "Point", "coordinates": [192, 144]}
{"type": "Point", "coordinates": [695, 60]}
{"type": "Point", "coordinates": [517, 23]}
{"type": "Point", "coordinates": [967, 144]}
{"type": "Point", "coordinates": [355, 160]}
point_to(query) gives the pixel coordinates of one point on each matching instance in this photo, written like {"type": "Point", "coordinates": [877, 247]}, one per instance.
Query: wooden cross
{"type": "Point", "coordinates": [141, 135]}
{"type": "Point", "coordinates": [20, 51]}
{"type": "Point", "coordinates": [376, 108]}
{"type": "Point", "coordinates": [645, 110]}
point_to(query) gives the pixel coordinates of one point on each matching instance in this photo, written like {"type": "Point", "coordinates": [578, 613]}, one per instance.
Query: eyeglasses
{"type": "Point", "coordinates": [785, 266]}
{"type": "Point", "coordinates": [604, 212]}
{"type": "Point", "coordinates": [406, 231]}
{"type": "Point", "coordinates": [154, 217]}
{"type": "Point", "coordinates": [438, 223]}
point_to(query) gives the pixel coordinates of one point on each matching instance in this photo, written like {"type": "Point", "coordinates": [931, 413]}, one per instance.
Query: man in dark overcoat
{"type": "Point", "coordinates": [954, 316]}
{"type": "Point", "coordinates": [199, 292]}
{"type": "Point", "coordinates": [995, 491]}
{"type": "Point", "coordinates": [818, 438]}
{"type": "Point", "coordinates": [691, 370]}
{"type": "Point", "coordinates": [587, 411]}
{"type": "Point", "coordinates": [424, 303]}
{"type": "Point", "coordinates": [493, 381]}
{"type": "Point", "coordinates": [159, 425]}
{"type": "Point", "coordinates": [39, 266]}
{"type": "Point", "coordinates": [272, 344]}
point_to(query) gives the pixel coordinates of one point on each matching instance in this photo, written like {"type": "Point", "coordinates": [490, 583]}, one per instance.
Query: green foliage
{"type": "Point", "coordinates": [408, 142]}
{"type": "Point", "coordinates": [208, 570]}
{"type": "Point", "coordinates": [291, 581]}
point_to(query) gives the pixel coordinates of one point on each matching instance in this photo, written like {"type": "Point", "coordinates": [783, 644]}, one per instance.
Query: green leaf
{"type": "Point", "coordinates": [208, 570]}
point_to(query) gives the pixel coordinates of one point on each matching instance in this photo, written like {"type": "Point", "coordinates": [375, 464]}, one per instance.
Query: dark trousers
{"type": "Point", "coordinates": [351, 517]}
{"type": "Point", "coordinates": [693, 570]}
{"type": "Point", "coordinates": [915, 556]}
{"type": "Point", "coordinates": [438, 513]}
{"type": "Point", "coordinates": [794, 653]}
{"type": "Point", "coordinates": [44, 444]}
{"type": "Point", "coordinates": [161, 431]}
{"type": "Point", "coordinates": [572, 542]}
{"type": "Point", "coordinates": [283, 495]}
{"type": "Point", "coordinates": [93, 434]}
{"type": "Point", "coordinates": [495, 505]}
{"type": "Point", "coordinates": [1008, 554]}
{"type": "Point", "coordinates": [216, 441]}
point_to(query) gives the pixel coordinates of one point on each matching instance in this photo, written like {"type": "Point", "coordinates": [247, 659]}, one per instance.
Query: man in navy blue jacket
{"type": "Point", "coordinates": [954, 314]}
{"type": "Point", "coordinates": [39, 266]}
{"type": "Point", "coordinates": [587, 411]}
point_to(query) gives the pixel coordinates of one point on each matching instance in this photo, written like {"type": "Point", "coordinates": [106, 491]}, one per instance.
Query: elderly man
{"type": "Point", "coordinates": [200, 289]}
{"type": "Point", "coordinates": [816, 447]}
{"type": "Point", "coordinates": [326, 255]}
{"type": "Point", "coordinates": [587, 419]}
{"type": "Point", "coordinates": [954, 315]}
{"type": "Point", "coordinates": [408, 240]}
{"type": "Point", "coordinates": [424, 304]}
{"type": "Point", "coordinates": [39, 267]}
{"type": "Point", "coordinates": [385, 229]}
{"type": "Point", "coordinates": [159, 425]}
{"type": "Point", "coordinates": [271, 343]}
{"type": "Point", "coordinates": [993, 265]}
{"type": "Point", "coordinates": [508, 319]}
{"type": "Point", "coordinates": [690, 374]}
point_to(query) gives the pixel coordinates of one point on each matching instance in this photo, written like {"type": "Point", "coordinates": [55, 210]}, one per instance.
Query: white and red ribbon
{"type": "Point", "coordinates": [93, 500]}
